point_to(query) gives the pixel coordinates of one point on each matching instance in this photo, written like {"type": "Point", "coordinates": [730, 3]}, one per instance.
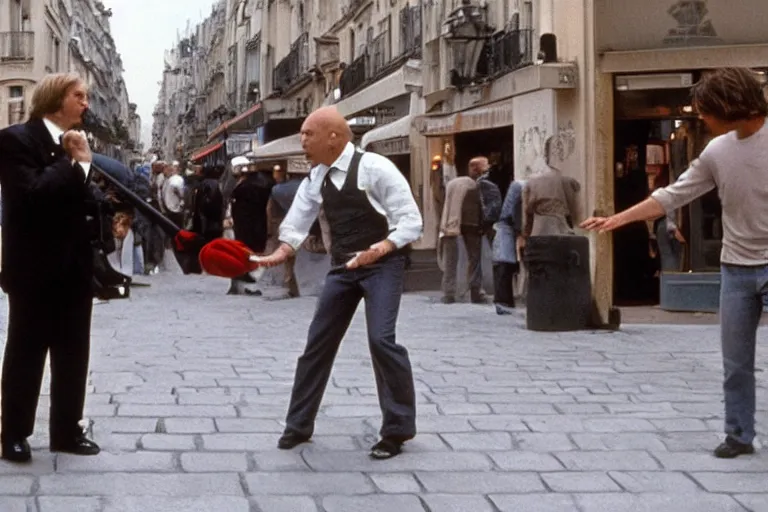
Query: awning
{"type": "Point", "coordinates": [401, 82]}
{"type": "Point", "coordinates": [484, 117]}
{"type": "Point", "coordinates": [226, 124]}
{"type": "Point", "coordinates": [205, 151]}
{"type": "Point", "coordinates": [287, 149]}
{"type": "Point", "coordinates": [391, 138]}
{"type": "Point", "coordinates": [278, 149]}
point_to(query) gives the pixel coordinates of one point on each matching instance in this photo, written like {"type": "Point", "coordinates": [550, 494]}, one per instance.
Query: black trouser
{"type": "Point", "coordinates": [38, 323]}
{"type": "Point", "coordinates": [381, 284]}
{"type": "Point", "coordinates": [503, 275]}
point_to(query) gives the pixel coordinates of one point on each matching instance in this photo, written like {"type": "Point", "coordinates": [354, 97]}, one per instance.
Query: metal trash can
{"type": "Point", "coordinates": [559, 284]}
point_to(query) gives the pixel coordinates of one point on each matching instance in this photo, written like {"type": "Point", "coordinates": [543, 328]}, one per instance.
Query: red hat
{"type": "Point", "coordinates": [226, 258]}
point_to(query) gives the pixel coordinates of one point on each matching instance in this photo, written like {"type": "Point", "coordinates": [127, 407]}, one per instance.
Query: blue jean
{"type": "Point", "coordinates": [381, 285]}
{"type": "Point", "coordinates": [742, 291]}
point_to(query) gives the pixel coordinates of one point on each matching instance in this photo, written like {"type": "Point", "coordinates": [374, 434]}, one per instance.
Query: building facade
{"type": "Point", "coordinates": [445, 80]}
{"type": "Point", "coordinates": [39, 37]}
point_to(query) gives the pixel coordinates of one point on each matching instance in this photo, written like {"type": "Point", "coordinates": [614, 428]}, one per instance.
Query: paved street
{"type": "Point", "coordinates": [189, 388]}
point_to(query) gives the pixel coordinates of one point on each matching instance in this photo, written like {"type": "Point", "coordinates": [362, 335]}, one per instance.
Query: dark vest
{"type": "Point", "coordinates": [354, 222]}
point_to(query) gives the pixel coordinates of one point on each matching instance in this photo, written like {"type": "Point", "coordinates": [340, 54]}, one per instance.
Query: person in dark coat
{"type": "Point", "coordinates": [207, 205]}
{"type": "Point", "coordinates": [47, 267]}
{"type": "Point", "coordinates": [248, 205]}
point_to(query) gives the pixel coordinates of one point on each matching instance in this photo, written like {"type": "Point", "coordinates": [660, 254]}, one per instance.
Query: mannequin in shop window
{"type": "Point", "coordinates": [550, 200]}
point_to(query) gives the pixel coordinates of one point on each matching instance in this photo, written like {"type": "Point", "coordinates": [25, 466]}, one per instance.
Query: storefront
{"type": "Point", "coordinates": [509, 129]}
{"type": "Point", "coordinates": [210, 156]}
{"type": "Point", "coordinates": [656, 134]}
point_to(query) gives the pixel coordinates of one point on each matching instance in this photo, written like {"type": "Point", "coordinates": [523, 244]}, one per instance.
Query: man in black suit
{"type": "Point", "coordinates": [47, 267]}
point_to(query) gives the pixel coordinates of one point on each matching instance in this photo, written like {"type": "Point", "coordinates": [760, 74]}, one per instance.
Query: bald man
{"type": "Point", "coordinates": [373, 218]}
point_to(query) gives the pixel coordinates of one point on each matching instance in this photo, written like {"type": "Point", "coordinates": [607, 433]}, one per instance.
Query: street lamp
{"type": "Point", "coordinates": [466, 31]}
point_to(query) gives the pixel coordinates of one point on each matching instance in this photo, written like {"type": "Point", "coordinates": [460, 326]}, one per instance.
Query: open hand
{"type": "Point", "coordinates": [601, 224]}
{"type": "Point", "coordinates": [372, 255]}
{"type": "Point", "coordinates": [278, 257]}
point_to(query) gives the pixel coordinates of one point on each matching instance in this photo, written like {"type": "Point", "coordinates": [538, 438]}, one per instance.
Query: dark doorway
{"type": "Point", "coordinates": [496, 144]}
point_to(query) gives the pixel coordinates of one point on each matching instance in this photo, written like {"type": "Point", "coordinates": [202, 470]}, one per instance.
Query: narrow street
{"type": "Point", "coordinates": [189, 388]}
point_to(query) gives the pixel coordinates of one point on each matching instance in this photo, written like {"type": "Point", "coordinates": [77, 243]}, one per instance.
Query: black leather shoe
{"type": "Point", "coordinates": [78, 446]}
{"type": "Point", "coordinates": [731, 448]}
{"type": "Point", "coordinates": [291, 440]}
{"type": "Point", "coordinates": [17, 451]}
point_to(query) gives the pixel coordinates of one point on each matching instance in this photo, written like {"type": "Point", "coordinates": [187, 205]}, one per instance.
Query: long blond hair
{"type": "Point", "coordinates": [50, 93]}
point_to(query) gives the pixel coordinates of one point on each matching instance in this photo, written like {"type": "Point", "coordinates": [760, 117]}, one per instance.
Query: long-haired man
{"type": "Point", "coordinates": [47, 267]}
{"type": "Point", "coordinates": [732, 103]}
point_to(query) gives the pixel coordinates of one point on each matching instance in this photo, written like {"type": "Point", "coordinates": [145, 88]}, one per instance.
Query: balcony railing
{"type": "Point", "coordinates": [17, 46]}
{"type": "Point", "coordinates": [294, 66]}
{"type": "Point", "coordinates": [380, 53]}
{"type": "Point", "coordinates": [509, 51]}
{"type": "Point", "coordinates": [375, 61]}
{"type": "Point", "coordinates": [354, 76]}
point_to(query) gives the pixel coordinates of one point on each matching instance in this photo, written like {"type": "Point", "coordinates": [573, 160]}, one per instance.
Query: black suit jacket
{"type": "Point", "coordinates": [46, 200]}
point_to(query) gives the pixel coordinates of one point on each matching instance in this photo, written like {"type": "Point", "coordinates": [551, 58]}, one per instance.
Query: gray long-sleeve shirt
{"type": "Point", "coordinates": [739, 170]}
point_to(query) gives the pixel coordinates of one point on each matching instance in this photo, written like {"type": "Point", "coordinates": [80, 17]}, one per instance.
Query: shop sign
{"type": "Point", "coordinates": [487, 117]}
{"type": "Point", "coordinates": [298, 166]}
{"type": "Point", "coordinates": [398, 146]}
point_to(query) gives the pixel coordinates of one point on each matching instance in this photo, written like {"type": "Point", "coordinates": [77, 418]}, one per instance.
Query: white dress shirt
{"type": "Point", "coordinates": [386, 187]}
{"type": "Point", "coordinates": [56, 133]}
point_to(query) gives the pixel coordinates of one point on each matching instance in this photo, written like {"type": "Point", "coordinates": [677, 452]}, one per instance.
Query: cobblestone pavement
{"type": "Point", "coordinates": [189, 388]}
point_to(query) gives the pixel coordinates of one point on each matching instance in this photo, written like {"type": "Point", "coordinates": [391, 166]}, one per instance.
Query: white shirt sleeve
{"type": "Point", "coordinates": [392, 191]}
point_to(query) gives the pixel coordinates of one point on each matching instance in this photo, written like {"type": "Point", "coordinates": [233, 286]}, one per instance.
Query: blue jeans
{"type": "Point", "coordinates": [742, 292]}
{"type": "Point", "coordinates": [381, 286]}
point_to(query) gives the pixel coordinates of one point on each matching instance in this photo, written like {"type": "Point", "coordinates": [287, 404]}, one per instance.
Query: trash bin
{"type": "Point", "coordinates": [559, 285]}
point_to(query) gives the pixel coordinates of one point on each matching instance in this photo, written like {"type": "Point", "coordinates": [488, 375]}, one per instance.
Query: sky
{"type": "Point", "coordinates": [143, 30]}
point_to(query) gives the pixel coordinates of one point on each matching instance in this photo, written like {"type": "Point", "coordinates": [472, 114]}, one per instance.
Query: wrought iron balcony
{"type": "Point", "coordinates": [354, 76]}
{"type": "Point", "coordinates": [508, 51]}
{"type": "Point", "coordinates": [295, 65]}
{"type": "Point", "coordinates": [375, 61]}
{"type": "Point", "coordinates": [380, 53]}
{"type": "Point", "coordinates": [17, 46]}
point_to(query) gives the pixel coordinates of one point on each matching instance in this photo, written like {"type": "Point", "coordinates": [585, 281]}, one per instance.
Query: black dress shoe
{"type": "Point", "coordinates": [78, 446]}
{"type": "Point", "coordinates": [731, 448]}
{"type": "Point", "coordinates": [17, 451]}
{"type": "Point", "coordinates": [291, 440]}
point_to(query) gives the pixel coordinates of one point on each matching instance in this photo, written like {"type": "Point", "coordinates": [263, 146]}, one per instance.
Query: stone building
{"type": "Point", "coordinates": [39, 37]}
{"type": "Point", "coordinates": [426, 81]}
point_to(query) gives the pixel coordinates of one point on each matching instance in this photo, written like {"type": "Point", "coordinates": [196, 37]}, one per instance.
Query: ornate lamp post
{"type": "Point", "coordinates": [466, 30]}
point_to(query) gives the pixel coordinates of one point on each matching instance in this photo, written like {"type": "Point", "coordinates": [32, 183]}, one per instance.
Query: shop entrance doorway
{"type": "Point", "coordinates": [496, 144]}
{"type": "Point", "coordinates": [656, 137]}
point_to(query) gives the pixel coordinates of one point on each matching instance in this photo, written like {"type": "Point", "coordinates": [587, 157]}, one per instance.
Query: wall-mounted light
{"type": "Point", "coordinates": [467, 32]}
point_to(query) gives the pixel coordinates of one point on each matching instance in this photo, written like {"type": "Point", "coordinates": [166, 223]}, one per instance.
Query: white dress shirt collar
{"type": "Point", "coordinates": [54, 130]}
{"type": "Point", "coordinates": [342, 163]}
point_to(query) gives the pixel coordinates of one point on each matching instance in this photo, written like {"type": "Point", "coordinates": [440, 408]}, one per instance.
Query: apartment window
{"type": "Point", "coordinates": [56, 55]}
{"type": "Point", "coordinates": [527, 14]}
{"type": "Point", "coordinates": [16, 16]}
{"type": "Point", "coordinates": [302, 21]}
{"type": "Point", "coordinates": [15, 104]}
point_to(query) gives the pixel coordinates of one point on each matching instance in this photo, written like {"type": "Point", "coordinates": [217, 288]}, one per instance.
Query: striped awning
{"type": "Point", "coordinates": [205, 151]}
